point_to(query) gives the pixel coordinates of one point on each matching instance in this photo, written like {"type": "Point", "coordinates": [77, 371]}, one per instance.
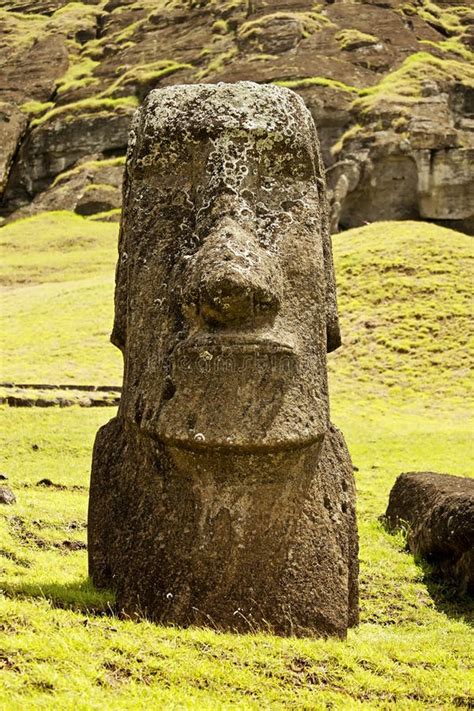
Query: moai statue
{"type": "Point", "coordinates": [221, 494]}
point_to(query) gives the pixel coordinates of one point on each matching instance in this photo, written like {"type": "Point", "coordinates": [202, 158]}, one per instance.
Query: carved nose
{"type": "Point", "coordinates": [233, 298]}
{"type": "Point", "coordinates": [233, 282]}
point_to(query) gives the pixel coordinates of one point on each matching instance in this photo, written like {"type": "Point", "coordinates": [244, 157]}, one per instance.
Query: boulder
{"type": "Point", "coordinates": [437, 511]}
{"type": "Point", "coordinates": [7, 496]}
{"type": "Point", "coordinates": [58, 142]}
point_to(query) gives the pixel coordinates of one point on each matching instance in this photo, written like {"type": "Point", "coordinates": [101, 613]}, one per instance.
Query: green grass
{"type": "Point", "coordinates": [413, 648]}
{"type": "Point", "coordinates": [58, 305]}
{"type": "Point", "coordinates": [398, 394]}
{"type": "Point", "coordinates": [405, 302]}
{"type": "Point", "coordinates": [56, 247]}
{"type": "Point", "coordinates": [59, 333]}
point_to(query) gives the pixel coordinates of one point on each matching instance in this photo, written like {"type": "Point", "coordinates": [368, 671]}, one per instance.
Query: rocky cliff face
{"type": "Point", "coordinates": [390, 85]}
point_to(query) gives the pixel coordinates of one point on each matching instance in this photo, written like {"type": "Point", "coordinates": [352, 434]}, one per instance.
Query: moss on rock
{"type": "Point", "coordinates": [86, 106]}
{"type": "Point", "coordinates": [404, 86]}
{"type": "Point", "coordinates": [353, 39]}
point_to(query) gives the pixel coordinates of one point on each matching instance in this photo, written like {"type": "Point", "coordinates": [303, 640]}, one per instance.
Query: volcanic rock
{"type": "Point", "coordinates": [437, 511]}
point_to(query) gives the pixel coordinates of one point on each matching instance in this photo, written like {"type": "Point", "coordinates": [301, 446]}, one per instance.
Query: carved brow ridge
{"type": "Point", "coordinates": [200, 132]}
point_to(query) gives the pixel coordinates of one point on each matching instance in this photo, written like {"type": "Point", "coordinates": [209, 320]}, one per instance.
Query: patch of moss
{"type": "Point", "coordinates": [77, 75]}
{"type": "Point", "coordinates": [400, 124]}
{"type": "Point", "coordinates": [220, 27]}
{"type": "Point", "coordinates": [352, 132]}
{"type": "Point", "coordinates": [128, 32]}
{"type": "Point", "coordinates": [21, 30]}
{"type": "Point", "coordinates": [225, 7]}
{"type": "Point", "coordinates": [73, 18]}
{"type": "Point", "coordinates": [316, 81]}
{"type": "Point", "coordinates": [36, 108]}
{"type": "Point", "coordinates": [144, 74]}
{"type": "Point", "coordinates": [353, 39]}
{"type": "Point", "coordinates": [450, 21]}
{"type": "Point", "coordinates": [404, 85]}
{"type": "Point", "coordinates": [309, 22]}
{"type": "Point", "coordinates": [88, 165]}
{"type": "Point", "coordinates": [85, 106]}
{"type": "Point", "coordinates": [217, 63]}
{"type": "Point", "coordinates": [453, 45]}
{"type": "Point", "coordinates": [261, 57]}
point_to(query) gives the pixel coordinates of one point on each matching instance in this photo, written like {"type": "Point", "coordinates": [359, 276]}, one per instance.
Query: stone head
{"type": "Point", "coordinates": [225, 299]}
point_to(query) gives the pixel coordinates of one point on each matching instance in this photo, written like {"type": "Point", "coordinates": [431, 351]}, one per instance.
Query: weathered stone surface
{"type": "Point", "coordinates": [55, 145]}
{"type": "Point", "coordinates": [31, 64]}
{"type": "Point", "coordinates": [419, 161]}
{"type": "Point", "coordinates": [221, 494]}
{"type": "Point", "coordinates": [12, 125]}
{"type": "Point", "coordinates": [92, 185]}
{"type": "Point", "coordinates": [446, 184]}
{"type": "Point", "coordinates": [438, 511]}
{"type": "Point", "coordinates": [7, 496]}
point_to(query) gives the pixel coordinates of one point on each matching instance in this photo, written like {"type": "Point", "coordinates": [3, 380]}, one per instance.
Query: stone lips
{"type": "Point", "coordinates": [438, 512]}
{"type": "Point", "coordinates": [221, 493]}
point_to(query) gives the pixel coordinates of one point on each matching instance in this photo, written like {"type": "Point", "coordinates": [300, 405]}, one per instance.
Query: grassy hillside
{"type": "Point", "coordinates": [397, 393]}
{"type": "Point", "coordinates": [405, 297]}
{"type": "Point", "coordinates": [57, 273]}
{"type": "Point", "coordinates": [55, 247]}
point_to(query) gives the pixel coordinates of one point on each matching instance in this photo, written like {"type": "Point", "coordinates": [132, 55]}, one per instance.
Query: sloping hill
{"type": "Point", "coordinates": [57, 273]}
{"type": "Point", "coordinates": [405, 298]}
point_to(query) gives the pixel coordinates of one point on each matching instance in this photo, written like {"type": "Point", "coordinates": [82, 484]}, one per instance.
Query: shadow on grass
{"type": "Point", "coordinates": [446, 596]}
{"type": "Point", "coordinates": [80, 596]}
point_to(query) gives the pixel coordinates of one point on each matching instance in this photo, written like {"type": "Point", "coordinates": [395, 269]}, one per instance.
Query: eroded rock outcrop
{"type": "Point", "coordinates": [221, 494]}
{"type": "Point", "coordinates": [389, 84]}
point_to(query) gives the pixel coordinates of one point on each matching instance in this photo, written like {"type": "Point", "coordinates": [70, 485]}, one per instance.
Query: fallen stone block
{"type": "Point", "coordinates": [438, 512]}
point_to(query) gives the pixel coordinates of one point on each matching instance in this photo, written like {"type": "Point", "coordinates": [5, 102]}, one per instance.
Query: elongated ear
{"type": "Point", "coordinates": [333, 333]}
{"type": "Point", "coordinates": [119, 331]}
